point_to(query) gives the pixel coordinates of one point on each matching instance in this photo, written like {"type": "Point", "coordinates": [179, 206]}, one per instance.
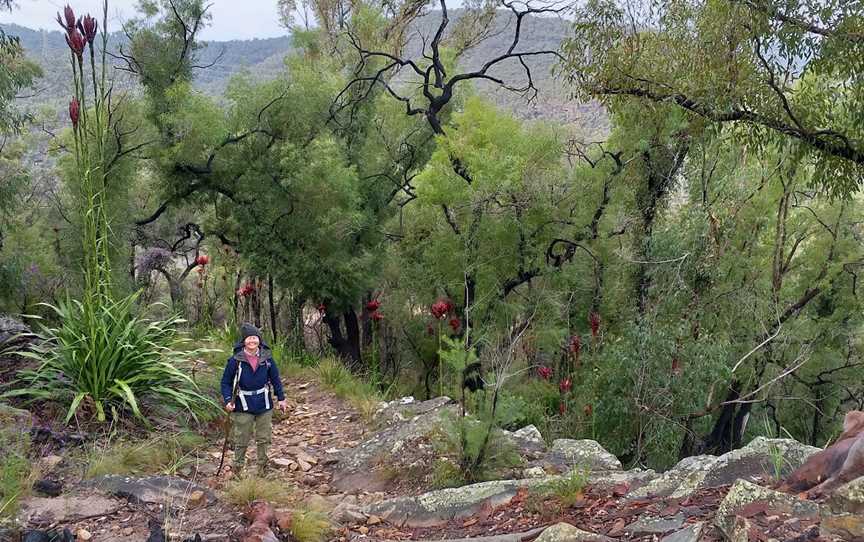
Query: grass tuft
{"type": "Point", "coordinates": [245, 491]}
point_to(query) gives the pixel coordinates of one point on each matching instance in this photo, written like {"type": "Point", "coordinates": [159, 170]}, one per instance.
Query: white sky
{"type": "Point", "coordinates": [232, 19]}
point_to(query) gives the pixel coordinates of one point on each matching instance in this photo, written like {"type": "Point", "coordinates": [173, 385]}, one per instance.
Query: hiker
{"type": "Point", "coordinates": [247, 395]}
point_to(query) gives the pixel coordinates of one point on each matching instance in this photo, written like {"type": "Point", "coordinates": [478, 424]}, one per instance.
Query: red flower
{"type": "Point", "coordinates": [246, 289]}
{"type": "Point", "coordinates": [87, 26]}
{"type": "Point", "coordinates": [440, 308]}
{"type": "Point", "coordinates": [373, 305]}
{"type": "Point", "coordinates": [565, 385]}
{"type": "Point", "coordinates": [69, 17]}
{"type": "Point", "coordinates": [74, 112]}
{"type": "Point", "coordinates": [322, 309]}
{"type": "Point", "coordinates": [203, 259]}
{"type": "Point", "coordinates": [594, 322]}
{"type": "Point", "coordinates": [76, 42]}
{"type": "Point", "coordinates": [376, 316]}
{"type": "Point", "coordinates": [575, 344]}
{"type": "Point", "coordinates": [545, 372]}
{"type": "Point", "coordinates": [455, 324]}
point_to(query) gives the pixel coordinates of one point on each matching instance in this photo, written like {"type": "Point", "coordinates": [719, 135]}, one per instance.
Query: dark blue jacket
{"type": "Point", "coordinates": [266, 373]}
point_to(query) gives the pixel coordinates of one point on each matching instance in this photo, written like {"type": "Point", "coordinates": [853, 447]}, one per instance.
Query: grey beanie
{"type": "Point", "coordinates": [248, 330]}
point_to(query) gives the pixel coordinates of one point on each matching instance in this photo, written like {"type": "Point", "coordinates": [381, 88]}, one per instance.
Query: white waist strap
{"type": "Point", "coordinates": [244, 393]}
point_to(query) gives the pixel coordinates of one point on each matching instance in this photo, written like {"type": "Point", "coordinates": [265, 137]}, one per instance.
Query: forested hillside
{"type": "Point", "coordinates": [595, 264]}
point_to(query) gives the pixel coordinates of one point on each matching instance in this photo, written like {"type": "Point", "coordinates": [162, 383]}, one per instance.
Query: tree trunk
{"type": "Point", "coordinates": [272, 307]}
{"type": "Point", "coordinates": [347, 346]}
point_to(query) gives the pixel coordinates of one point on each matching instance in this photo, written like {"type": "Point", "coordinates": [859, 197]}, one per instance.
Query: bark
{"type": "Point", "coordinates": [271, 305]}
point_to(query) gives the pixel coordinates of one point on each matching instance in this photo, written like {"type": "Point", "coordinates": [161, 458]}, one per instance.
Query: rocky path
{"type": "Point", "coordinates": [371, 478]}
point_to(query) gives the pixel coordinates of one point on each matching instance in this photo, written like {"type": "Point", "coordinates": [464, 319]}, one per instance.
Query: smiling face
{"type": "Point", "coordinates": [251, 342]}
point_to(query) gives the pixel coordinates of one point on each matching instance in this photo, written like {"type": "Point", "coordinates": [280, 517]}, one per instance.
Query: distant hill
{"type": "Point", "coordinates": [263, 58]}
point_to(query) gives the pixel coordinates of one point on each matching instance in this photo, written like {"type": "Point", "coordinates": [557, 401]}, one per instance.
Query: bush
{"type": "Point", "coordinates": [104, 358]}
{"type": "Point", "coordinates": [570, 488]}
{"type": "Point", "coordinates": [310, 526]}
{"type": "Point", "coordinates": [478, 448]}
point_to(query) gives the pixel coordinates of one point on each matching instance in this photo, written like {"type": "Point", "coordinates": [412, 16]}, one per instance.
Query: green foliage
{"type": "Point", "coordinates": [107, 359]}
{"type": "Point", "coordinates": [477, 448]}
{"type": "Point", "coordinates": [569, 489]}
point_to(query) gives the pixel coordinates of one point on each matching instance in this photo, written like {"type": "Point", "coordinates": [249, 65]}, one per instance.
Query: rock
{"type": "Point", "coordinates": [691, 533]}
{"type": "Point", "coordinates": [283, 462]}
{"type": "Point", "coordinates": [647, 525]}
{"type": "Point", "coordinates": [740, 530]}
{"type": "Point", "coordinates": [756, 460]}
{"type": "Point", "coordinates": [14, 333]}
{"type": "Point", "coordinates": [49, 463]}
{"type": "Point", "coordinates": [9, 534]}
{"type": "Point", "coordinates": [363, 529]}
{"type": "Point", "coordinates": [304, 466]}
{"type": "Point", "coordinates": [567, 454]}
{"type": "Point", "coordinates": [528, 442]}
{"type": "Point", "coordinates": [197, 498]}
{"type": "Point", "coordinates": [48, 488]}
{"type": "Point", "coordinates": [564, 532]}
{"type": "Point", "coordinates": [167, 490]}
{"type": "Point", "coordinates": [404, 409]}
{"type": "Point", "coordinates": [438, 507]}
{"type": "Point", "coordinates": [66, 509]}
{"type": "Point", "coordinates": [843, 512]}
{"type": "Point", "coordinates": [127, 531]}
{"type": "Point", "coordinates": [83, 534]}
{"type": "Point", "coordinates": [347, 513]}
{"type": "Point", "coordinates": [679, 481]}
{"type": "Point", "coordinates": [357, 465]}
{"type": "Point", "coordinates": [744, 493]}
{"type": "Point", "coordinates": [15, 418]}
{"type": "Point", "coordinates": [373, 520]}
{"type": "Point", "coordinates": [534, 472]}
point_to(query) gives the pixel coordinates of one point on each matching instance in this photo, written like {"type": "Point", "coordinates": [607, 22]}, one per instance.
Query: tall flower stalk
{"type": "Point", "coordinates": [89, 116]}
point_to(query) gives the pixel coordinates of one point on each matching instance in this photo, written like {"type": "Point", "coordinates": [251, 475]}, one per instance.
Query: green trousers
{"type": "Point", "coordinates": [244, 425]}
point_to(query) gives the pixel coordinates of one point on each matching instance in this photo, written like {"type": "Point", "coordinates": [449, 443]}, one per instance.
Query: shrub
{"type": "Point", "coordinates": [570, 488]}
{"type": "Point", "coordinates": [105, 358]}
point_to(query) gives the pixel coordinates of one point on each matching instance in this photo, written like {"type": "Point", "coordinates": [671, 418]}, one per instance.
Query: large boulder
{"type": "Point", "coordinates": [746, 494]}
{"type": "Point", "coordinates": [401, 446]}
{"type": "Point", "coordinates": [406, 408]}
{"type": "Point", "coordinates": [568, 454]}
{"type": "Point", "coordinates": [761, 458]}
{"type": "Point", "coordinates": [528, 442]}
{"type": "Point", "coordinates": [843, 512]}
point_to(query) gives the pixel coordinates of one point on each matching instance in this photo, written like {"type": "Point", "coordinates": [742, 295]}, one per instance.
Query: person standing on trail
{"type": "Point", "coordinates": [247, 395]}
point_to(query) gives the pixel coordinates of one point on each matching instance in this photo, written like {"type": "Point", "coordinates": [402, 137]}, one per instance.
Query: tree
{"type": "Point", "coordinates": [784, 71]}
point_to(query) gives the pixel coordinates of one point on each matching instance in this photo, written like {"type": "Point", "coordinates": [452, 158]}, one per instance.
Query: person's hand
{"type": "Point", "coordinates": [283, 406]}
{"type": "Point", "coordinates": [229, 407]}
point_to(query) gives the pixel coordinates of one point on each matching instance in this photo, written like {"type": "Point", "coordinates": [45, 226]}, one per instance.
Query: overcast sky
{"type": "Point", "coordinates": [232, 19]}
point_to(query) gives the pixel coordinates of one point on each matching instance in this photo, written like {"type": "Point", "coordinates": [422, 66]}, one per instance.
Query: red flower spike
{"type": "Point", "coordinates": [376, 316]}
{"type": "Point", "coordinates": [455, 324]}
{"type": "Point", "coordinates": [203, 259]}
{"type": "Point", "coordinates": [68, 19]}
{"type": "Point", "coordinates": [545, 372]}
{"type": "Point", "coordinates": [88, 26]}
{"type": "Point", "coordinates": [373, 305]}
{"type": "Point", "coordinates": [594, 322]}
{"type": "Point", "coordinates": [74, 112]}
{"type": "Point", "coordinates": [575, 344]}
{"type": "Point", "coordinates": [440, 309]}
{"type": "Point", "coordinates": [76, 42]}
{"type": "Point", "coordinates": [565, 385]}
